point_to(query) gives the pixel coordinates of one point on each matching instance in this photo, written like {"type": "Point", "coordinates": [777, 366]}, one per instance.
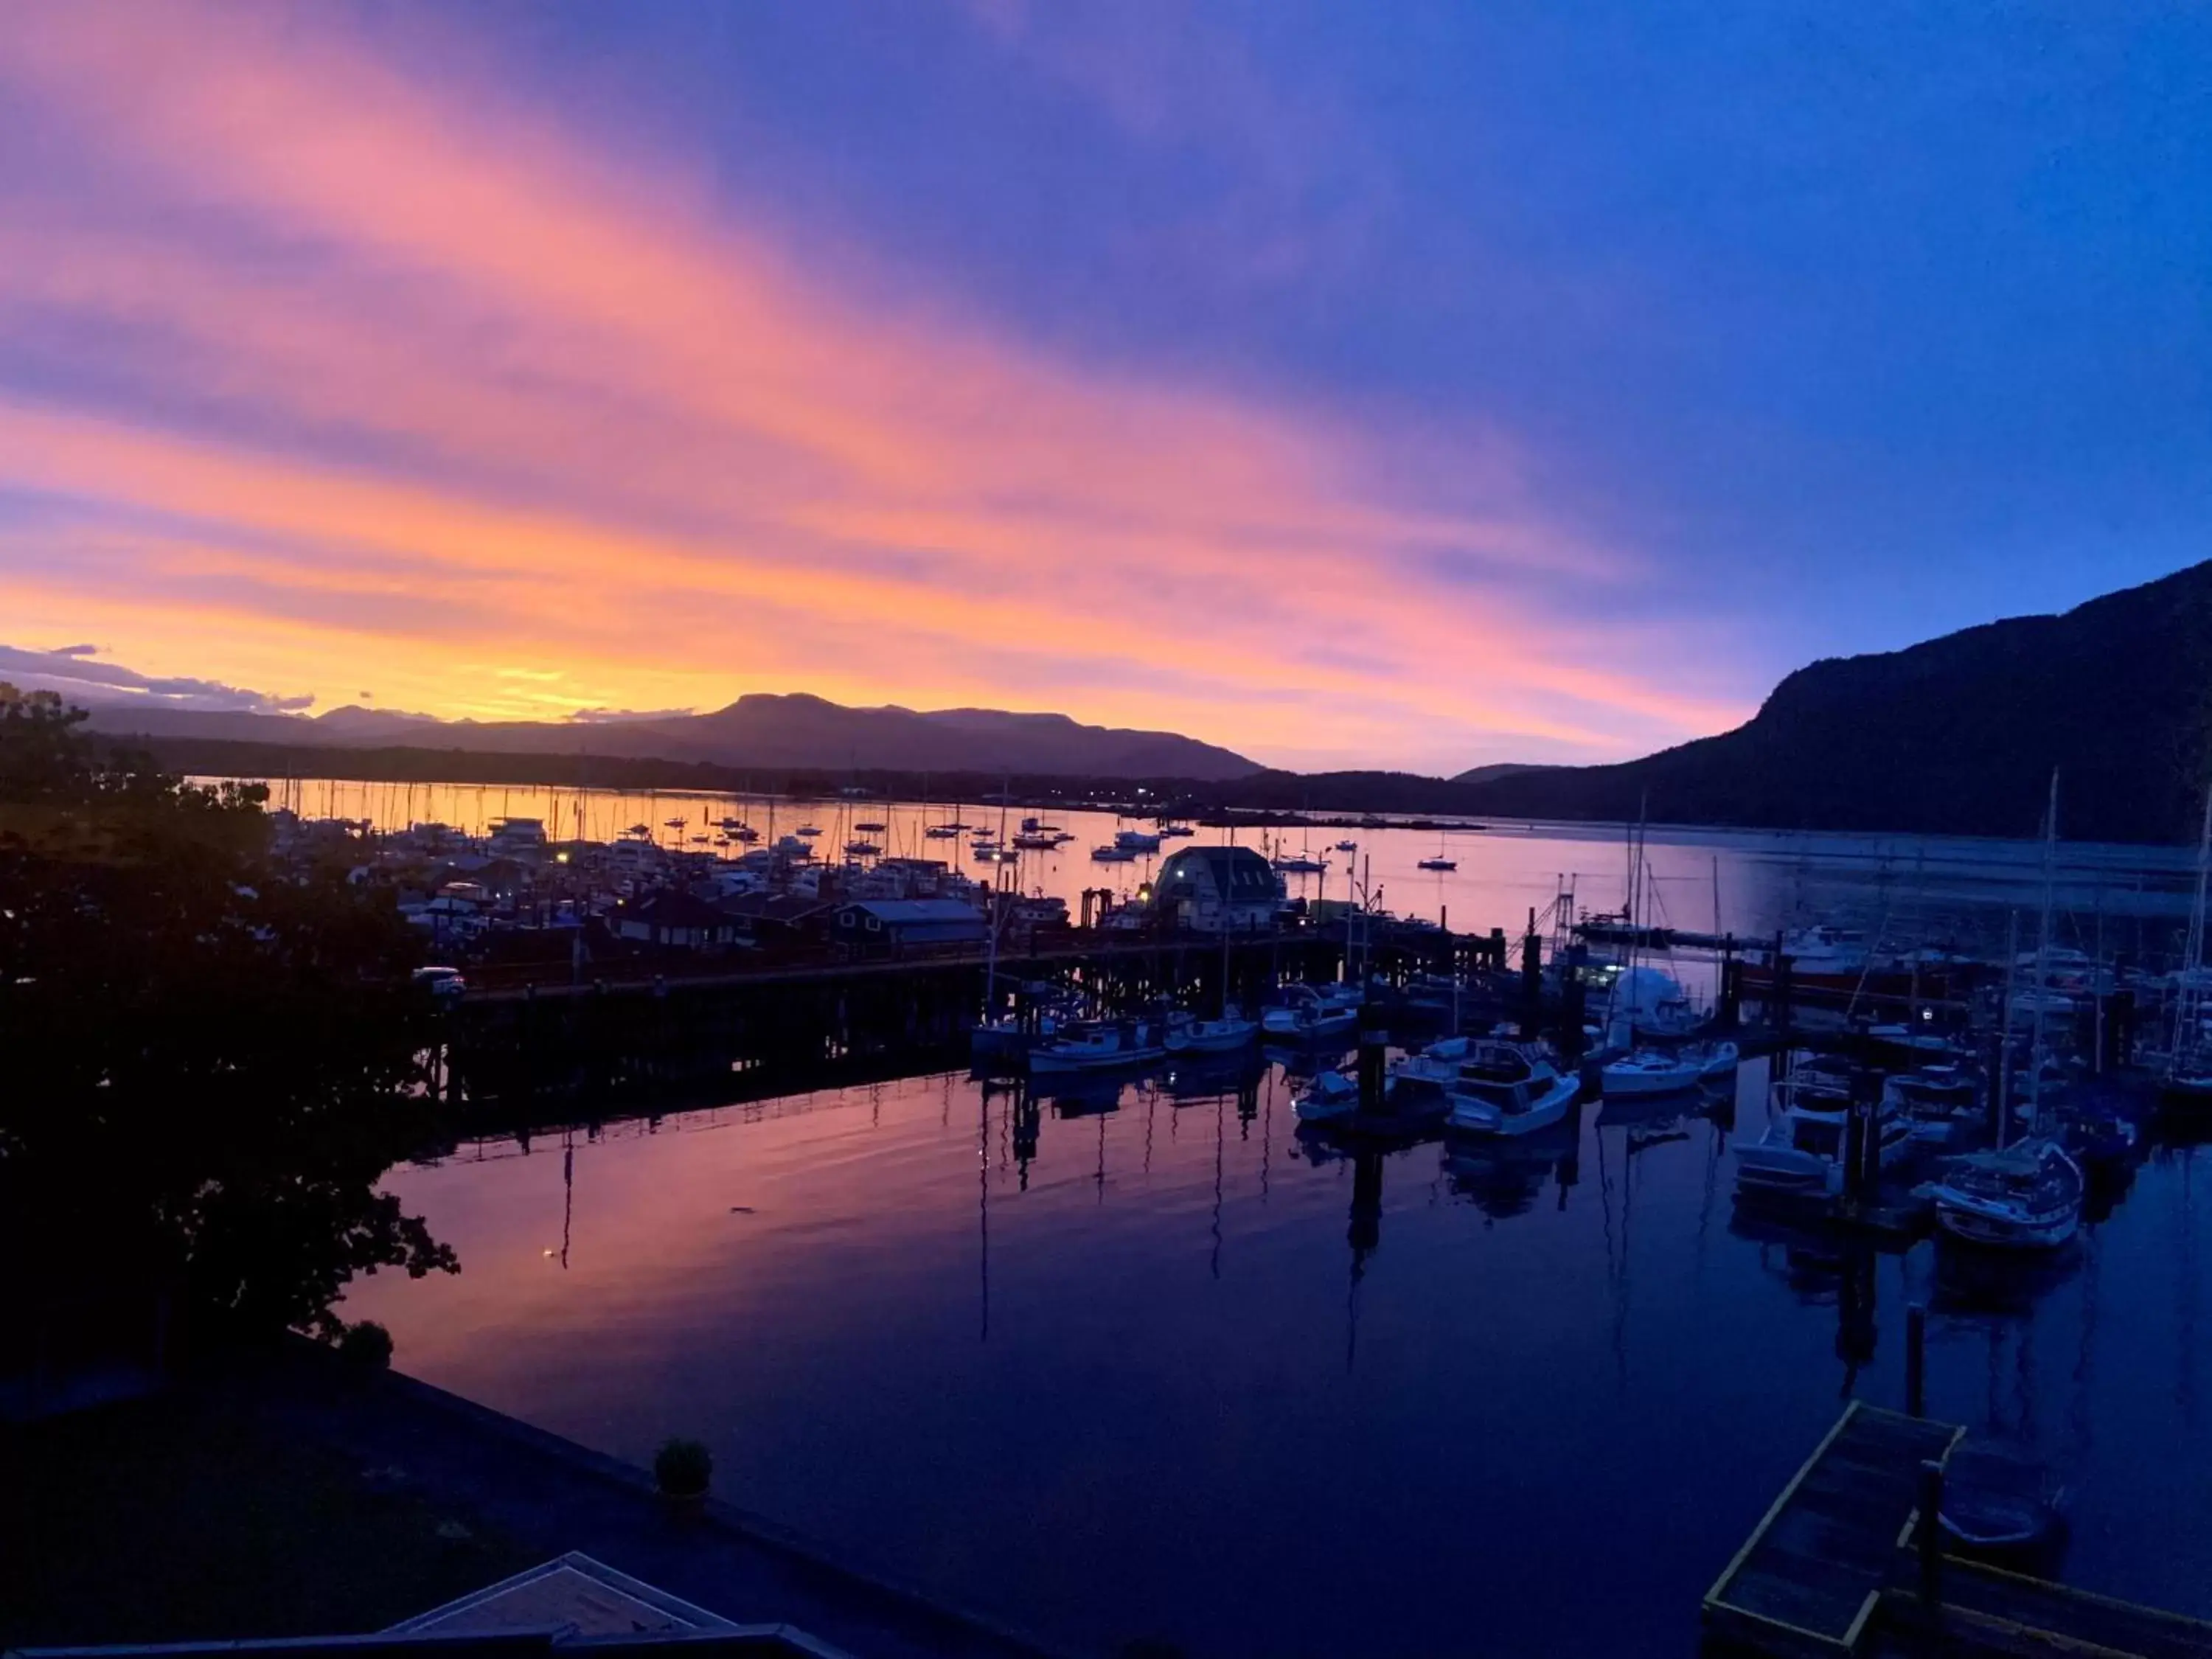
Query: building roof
{"type": "Point", "coordinates": [771, 907]}
{"type": "Point", "coordinates": [902, 913]}
{"type": "Point", "coordinates": [670, 907]}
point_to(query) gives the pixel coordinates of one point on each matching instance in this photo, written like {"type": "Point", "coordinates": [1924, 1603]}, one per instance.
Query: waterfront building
{"type": "Point", "coordinates": [1209, 889]}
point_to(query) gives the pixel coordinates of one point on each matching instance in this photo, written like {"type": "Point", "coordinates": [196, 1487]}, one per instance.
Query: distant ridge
{"type": "Point", "coordinates": [1955, 736]}
{"type": "Point", "coordinates": [1491, 774]}
{"type": "Point", "coordinates": [760, 730]}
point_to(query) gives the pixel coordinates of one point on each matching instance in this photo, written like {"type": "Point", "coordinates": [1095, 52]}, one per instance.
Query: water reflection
{"type": "Point", "coordinates": [1033, 1345]}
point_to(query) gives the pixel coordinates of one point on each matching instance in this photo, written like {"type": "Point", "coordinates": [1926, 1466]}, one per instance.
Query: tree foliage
{"type": "Point", "coordinates": [211, 1060]}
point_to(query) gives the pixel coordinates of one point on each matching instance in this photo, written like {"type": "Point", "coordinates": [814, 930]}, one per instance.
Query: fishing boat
{"type": "Point", "coordinates": [861, 849]}
{"type": "Point", "coordinates": [1029, 841]}
{"type": "Point", "coordinates": [1212, 1036]}
{"type": "Point", "coordinates": [1010, 1035]}
{"type": "Point", "coordinates": [1310, 1013]}
{"type": "Point", "coordinates": [1347, 846]}
{"type": "Point", "coordinates": [1437, 863]}
{"type": "Point", "coordinates": [1098, 1047]}
{"type": "Point", "coordinates": [1170, 831]}
{"type": "Point", "coordinates": [1136, 840]}
{"type": "Point", "coordinates": [1299, 865]}
{"type": "Point", "coordinates": [1111, 855]}
{"type": "Point", "coordinates": [2024, 1197]}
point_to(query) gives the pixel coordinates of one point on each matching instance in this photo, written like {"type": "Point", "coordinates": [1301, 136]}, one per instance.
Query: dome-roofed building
{"type": "Point", "coordinates": [1208, 889]}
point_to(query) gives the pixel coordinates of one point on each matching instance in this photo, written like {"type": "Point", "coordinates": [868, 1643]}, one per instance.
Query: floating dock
{"type": "Point", "coordinates": [1835, 1569]}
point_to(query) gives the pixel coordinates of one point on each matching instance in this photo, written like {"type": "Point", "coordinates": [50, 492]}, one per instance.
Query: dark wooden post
{"type": "Point", "coordinates": [1915, 1359]}
{"type": "Point", "coordinates": [1532, 975]}
{"type": "Point", "coordinates": [1373, 1041]}
{"type": "Point", "coordinates": [1777, 1011]}
{"type": "Point", "coordinates": [1931, 1543]}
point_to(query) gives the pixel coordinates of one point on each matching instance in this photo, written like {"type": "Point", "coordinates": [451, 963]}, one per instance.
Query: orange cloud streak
{"type": "Point", "coordinates": [617, 436]}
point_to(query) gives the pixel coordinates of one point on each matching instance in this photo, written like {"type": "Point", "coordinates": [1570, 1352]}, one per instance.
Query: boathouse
{"type": "Point", "coordinates": [903, 927]}
{"type": "Point", "coordinates": [672, 920]}
{"type": "Point", "coordinates": [1208, 890]}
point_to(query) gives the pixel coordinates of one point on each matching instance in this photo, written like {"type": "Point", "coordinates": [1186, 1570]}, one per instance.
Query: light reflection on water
{"type": "Point", "coordinates": [1154, 1365]}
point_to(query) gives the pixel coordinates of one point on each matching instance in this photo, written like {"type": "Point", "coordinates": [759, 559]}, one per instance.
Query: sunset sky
{"type": "Point", "coordinates": [1412, 386]}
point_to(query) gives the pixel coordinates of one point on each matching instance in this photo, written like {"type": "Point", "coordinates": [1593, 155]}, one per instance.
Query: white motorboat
{"type": "Point", "coordinates": [1825, 950]}
{"type": "Point", "coordinates": [1436, 1067]}
{"type": "Point", "coordinates": [1801, 1153]}
{"type": "Point", "coordinates": [2025, 1197]}
{"type": "Point", "coordinates": [1511, 1106]}
{"type": "Point", "coordinates": [1300, 864]}
{"type": "Point", "coordinates": [1212, 1036]}
{"type": "Point", "coordinates": [1098, 1048]}
{"type": "Point", "coordinates": [1649, 1072]}
{"type": "Point", "coordinates": [1309, 1012]}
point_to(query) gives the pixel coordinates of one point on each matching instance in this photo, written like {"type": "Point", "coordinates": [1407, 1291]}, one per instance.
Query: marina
{"type": "Point", "coordinates": [1575, 1174]}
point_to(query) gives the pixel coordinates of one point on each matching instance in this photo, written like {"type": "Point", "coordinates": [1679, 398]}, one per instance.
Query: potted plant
{"type": "Point", "coordinates": [683, 1470]}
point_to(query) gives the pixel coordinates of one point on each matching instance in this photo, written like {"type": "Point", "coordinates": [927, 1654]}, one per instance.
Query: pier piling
{"type": "Point", "coordinates": [1915, 1359]}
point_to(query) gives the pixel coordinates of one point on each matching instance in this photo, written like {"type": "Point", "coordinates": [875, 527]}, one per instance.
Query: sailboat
{"type": "Point", "coordinates": [2027, 1196]}
{"type": "Point", "coordinates": [1442, 862]}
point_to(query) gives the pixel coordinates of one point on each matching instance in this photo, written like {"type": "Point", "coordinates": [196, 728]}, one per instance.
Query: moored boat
{"type": "Point", "coordinates": [1497, 1105]}
{"type": "Point", "coordinates": [2025, 1197]}
{"type": "Point", "coordinates": [1212, 1036]}
{"type": "Point", "coordinates": [1310, 1013]}
{"type": "Point", "coordinates": [1098, 1047]}
{"type": "Point", "coordinates": [1649, 1072]}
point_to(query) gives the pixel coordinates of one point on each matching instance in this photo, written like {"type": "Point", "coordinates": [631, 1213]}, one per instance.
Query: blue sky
{"type": "Point", "coordinates": [1418, 385]}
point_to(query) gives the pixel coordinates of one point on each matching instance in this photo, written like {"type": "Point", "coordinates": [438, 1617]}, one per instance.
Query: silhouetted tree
{"type": "Point", "coordinates": [209, 1062]}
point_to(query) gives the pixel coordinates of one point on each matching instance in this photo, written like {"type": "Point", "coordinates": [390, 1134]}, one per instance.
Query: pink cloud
{"type": "Point", "coordinates": [605, 422]}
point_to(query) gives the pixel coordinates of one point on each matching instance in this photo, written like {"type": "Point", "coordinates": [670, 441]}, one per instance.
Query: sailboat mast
{"type": "Point", "coordinates": [2004, 1037]}
{"type": "Point", "coordinates": [2186, 1004]}
{"type": "Point", "coordinates": [2043, 957]}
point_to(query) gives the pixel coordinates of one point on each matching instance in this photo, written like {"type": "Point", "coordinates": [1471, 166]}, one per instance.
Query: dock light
{"type": "Point", "coordinates": [560, 858]}
{"type": "Point", "coordinates": [1145, 891]}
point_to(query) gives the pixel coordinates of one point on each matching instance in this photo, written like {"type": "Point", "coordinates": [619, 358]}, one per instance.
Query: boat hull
{"type": "Point", "coordinates": [1990, 1231]}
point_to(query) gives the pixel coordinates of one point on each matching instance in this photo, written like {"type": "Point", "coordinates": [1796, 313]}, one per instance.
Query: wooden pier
{"type": "Point", "coordinates": [1837, 1567]}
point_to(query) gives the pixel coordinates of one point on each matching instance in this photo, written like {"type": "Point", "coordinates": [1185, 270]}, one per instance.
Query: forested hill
{"type": "Point", "coordinates": [1956, 736]}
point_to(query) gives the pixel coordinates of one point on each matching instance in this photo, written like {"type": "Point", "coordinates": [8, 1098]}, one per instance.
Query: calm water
{"type": "Point", "coordinates": [1933, 889]}
{"type": "Point", "coordinates": [1157, 1373]}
